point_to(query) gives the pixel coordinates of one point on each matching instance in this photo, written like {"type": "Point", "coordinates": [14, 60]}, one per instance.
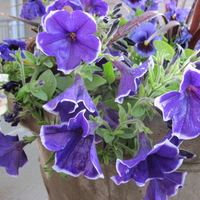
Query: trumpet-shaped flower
{"type": "Point", "coordinates": [134, 3]}
{"type": "Point", "coordinates": [183, 106]}
{"type": "Point", "coordinates": [149, 163]}
{"type": "Point", "coordinates": [12, 155]}
{"type": "Point", "coordinates": [69, 38]}
{"type": "Point", "coordinates": [74, 146]}
{"type": "Point", "coordinates": [10, 47]}
{"type": "Point", "coordinates": [130, 78]}
{"type": "Point", "coordinates": [32, 9]}
{"type": "Point", "coordinates": [161, 188]}
{"type": "Point", "coordinates": [140, 36]}
{"type": "Point", "coordinates": [72, 101]}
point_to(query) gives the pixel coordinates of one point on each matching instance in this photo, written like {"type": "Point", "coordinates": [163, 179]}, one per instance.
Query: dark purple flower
{"type": "Point", "coordinates": [184, 38]}
{"type": "Point", "coordinates": [149, 163]}
{"type": "Point", "coordinates": [140, 36]}
{"type": "Point", "coordinates": [134, 3]}
{"type": "Point", "coordinates": [32, 9]}
{"type": "Point", "coordinates": [72, 101]}
{"type": "Point", "coordinates": [11, 86]}
{"type": "Point", "coordinates": [183, 107]}
{"type": "Point", "coordinates": [175, 13]}
{"type": "Point", "coordinates": [74, 146]}
{"type": "Point", "coordinates": [10, 48]}
{"type": "Point", "coordinates": [130, 78]}
{"type": "Point", "coordinates": [168, 186]}
{"type": "Point", "coordinates": [13, 116]}
{"type": "Point", "coordinates": [12, 155]}
{"type": "Point", "coordinates": [70, 39]}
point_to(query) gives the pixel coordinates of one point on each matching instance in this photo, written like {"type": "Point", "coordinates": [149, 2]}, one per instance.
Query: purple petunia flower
{"type": "Point", "coordinates": [140, 35]}
{"type": "Point", "coordinates": [183, 107]}
{"type": "Point", "coordinates": [70, 38]}
{"type": "Point", "coordinates": [97, 7]}
{"type": "Point", "coordinates": [74, 146]}
{"type": "Point", "coordinates": [12, 155]}
{"type": "Point", "coordinates": [72, 101]}
{"type": "Point", "coordinates": [135, 3]}
{"type": "Point", "coordinates": [149, 163]}
{"type": "Point", "coordinates": [10, 48]}
{"type": "Point", "coordinates": [175, 13]}
{"type": "Point", "coordinates": [32, 9]}
{"type": "Point", "coordinates": [130, 78]}
{"type": "Point", "coordinates": [161, 188]}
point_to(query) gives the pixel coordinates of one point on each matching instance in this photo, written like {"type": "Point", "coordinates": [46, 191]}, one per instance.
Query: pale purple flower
{"type": "Point", "coordinates": [74, 146]}
{"type": "Point", "coordinates": [72, 101]}
{"type": "Point", "coordinates": [69, 38]}
{"type": "Point", "coordinates": [97, 7]}
{"type": "Point", "coordinates": [140, 36]}
{"type": "Point", "coordinates": [130, 78]}
{"type": "Point", "coordinates": [10, 47]}
{"type": "Point", "coordinates": [32, 9]}
{"type": "Point", "coordinates": [175, 13]}
{"type": "Point", "coordinates": [135, 3]}
{"type": "Point", "coordinates": [149, 163]}
{"type": "Point", "coordinates": [12, 155]}
{"type": "Point", "coordinates": [183, 106]}
{"type": "Point", "coordinates": [162, 188]}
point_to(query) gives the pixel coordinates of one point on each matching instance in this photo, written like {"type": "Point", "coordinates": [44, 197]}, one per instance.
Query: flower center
{"type": "Point", "coordinates": [72, 36]}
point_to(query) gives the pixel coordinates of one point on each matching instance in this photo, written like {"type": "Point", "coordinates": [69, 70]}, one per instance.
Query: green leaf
{"type": "Point", "coordinates": [161, 45]}
{"type": "Point", "coordinates": [128, 133]}
{"type": "Point", "coordinates": [108, 137]}
{"type": "Point", "coordinates": [138, 111]}
{"type": "Point", "coordinates": [51, 158]}
{"type": "Point", "coordinates": [64, 82]}
{"type": "Point", "coordinates": [22, 92]}
{"type": "Point", "coordinates": [30, 57]}
{"type": "Point", "coordinates": [49, 85]}
{"type": "Point", "coordinates": [39, 94]}
{"type": "Point", "coordinates": [108, 72]}
{"type": "Point", "coordinates": [122, 114]}
{"type": "Point", "coordinates": [95, 83]}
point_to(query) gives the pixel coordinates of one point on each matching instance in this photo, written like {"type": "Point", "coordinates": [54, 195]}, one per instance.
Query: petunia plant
{"type": "Point", "coordinates": [91, 78]}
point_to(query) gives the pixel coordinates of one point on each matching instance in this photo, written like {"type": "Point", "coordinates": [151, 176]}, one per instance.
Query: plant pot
{"type": "Point", "coordinates": [76, 188]}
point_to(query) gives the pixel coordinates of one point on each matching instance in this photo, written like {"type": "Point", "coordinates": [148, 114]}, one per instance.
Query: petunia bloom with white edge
{"type": "Point", "coordinates": [183, 106]}
{"type": "Point", "coordinates": [130, 78]}
{"type": "Point", "coordinates": [149, 163]}
{"type": "Point", "coordinates": [75, 147]}
{"type": "Point", "coordinates": [12, 155]}
{"type": "Point", "coordinates": [162, 188]}
{"type": "Point", "coordinates": [72, 101]}
{"type": "Point", "coordinates": [70, 38]}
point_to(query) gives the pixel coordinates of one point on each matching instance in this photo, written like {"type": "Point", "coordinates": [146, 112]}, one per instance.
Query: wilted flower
{"type": "Point", "coordinates": [74, 146]}
{"type": "Point", "coordinates": [183, 107]}
{"type": "Point", "coordinates": [12, 155]}
{"type": "Point", "coordinates": [32, 9]}
{"type": "Point", "coordinates": [10, 48]}
{"type": "Point", "coordinates": [70, 39]}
